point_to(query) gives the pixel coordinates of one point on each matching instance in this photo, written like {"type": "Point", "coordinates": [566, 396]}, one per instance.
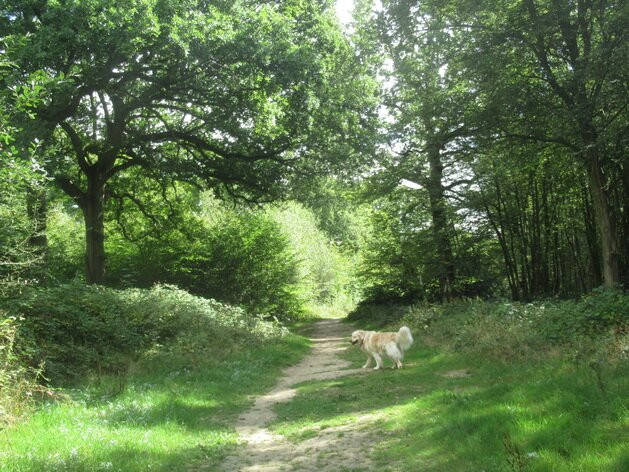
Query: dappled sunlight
{"type": "Point", "coordinates": [330, 447]}
{"type": "Point", "coordinates": [171, 417]}
{"type": "Point", "coordinates": [434, 422]}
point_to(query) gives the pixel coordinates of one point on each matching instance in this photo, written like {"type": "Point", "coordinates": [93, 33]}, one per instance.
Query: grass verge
{"type": "Point", "coordinates": [166, 414]}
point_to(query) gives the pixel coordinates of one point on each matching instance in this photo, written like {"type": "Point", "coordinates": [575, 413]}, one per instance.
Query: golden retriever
{"type": "Point", "coordinates": [375, 345]}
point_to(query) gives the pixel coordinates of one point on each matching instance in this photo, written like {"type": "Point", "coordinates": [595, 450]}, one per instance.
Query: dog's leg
{"type": "Point", "coordinates": [368, 363]}
{"type": "Point", "coordinates": [378, 361]}
{"type": "Point", "coordinates": [394, 353]}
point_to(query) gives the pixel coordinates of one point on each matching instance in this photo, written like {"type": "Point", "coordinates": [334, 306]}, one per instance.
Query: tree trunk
{"type": "Point", "coordinates": [604, 219]}
{"type": "Point", "coordinates": [93, 212]}
{"type": "Point", "coordinates": [625, 223]}
{"type": "Point", "coordinates": [440, 222]}
{"type": "Point", "coordinates": [37, 210]}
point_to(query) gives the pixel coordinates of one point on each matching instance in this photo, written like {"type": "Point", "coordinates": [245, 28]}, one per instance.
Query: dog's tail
{"type": "Point", "coordinates": [404, 338]}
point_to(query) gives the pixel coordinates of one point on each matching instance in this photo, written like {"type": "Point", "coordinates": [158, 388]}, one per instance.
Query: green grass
{"type": "Point", "coordinates": [546, 415]}
{"type": "Point", "coordinates": [552, 415]}
{"type": "Point", "coordinates": [171, 415]}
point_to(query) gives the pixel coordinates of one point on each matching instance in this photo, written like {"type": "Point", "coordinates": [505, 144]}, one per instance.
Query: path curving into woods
{"type": "Point", "coordinates": [341, 447]}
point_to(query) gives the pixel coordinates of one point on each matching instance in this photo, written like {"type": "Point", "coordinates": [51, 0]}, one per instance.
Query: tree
{"type": "Point", "coordinates": [563, 66]}
{"type": "Point", "coordinates": [22, 239]}
{"type": "Point", "coordinates": [428, 101]}
{"type": "Point", "coordinates": [541, 80]}
{"type": "Point", "coordinates": [235, 96]}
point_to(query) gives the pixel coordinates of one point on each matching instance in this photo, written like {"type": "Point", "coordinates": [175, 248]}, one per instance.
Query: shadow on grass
{"type": "Point", "coordinates": [170, 410]}
{"type": "Point", "coordinates": [547, 416]}
{"type": "Point", "coordinates": [169, 418]}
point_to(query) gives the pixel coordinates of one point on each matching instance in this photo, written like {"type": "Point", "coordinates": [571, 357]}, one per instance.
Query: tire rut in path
{"type": "Point", "coordinates": [334, 448]}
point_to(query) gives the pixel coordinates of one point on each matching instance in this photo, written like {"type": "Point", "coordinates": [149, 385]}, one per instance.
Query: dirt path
{"type": "Point", "coordinates": [333, 449]}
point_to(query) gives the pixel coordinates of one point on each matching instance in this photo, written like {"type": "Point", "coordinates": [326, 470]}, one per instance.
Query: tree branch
{"type": "Point", "coordinates": [71, 189]}
{"type": "Point", "coordinates": [202, 144]}
{"type": "Point", "coordinates": [77, 145]}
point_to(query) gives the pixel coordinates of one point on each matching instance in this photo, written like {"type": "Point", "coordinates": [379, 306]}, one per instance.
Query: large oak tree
{"type": "Point", "coordinates": [238, 96]}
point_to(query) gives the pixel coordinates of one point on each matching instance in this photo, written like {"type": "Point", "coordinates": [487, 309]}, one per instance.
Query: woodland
{"type": "Point", "coordinates": [173, 171]}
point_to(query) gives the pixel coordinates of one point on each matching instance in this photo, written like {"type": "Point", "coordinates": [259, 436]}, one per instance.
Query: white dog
{"type": "Point", "coordinates": [376, 345]}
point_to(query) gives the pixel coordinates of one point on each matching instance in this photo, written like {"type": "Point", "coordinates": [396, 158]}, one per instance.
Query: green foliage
{"type": "Point", "coordinates": [77, 329]}
{"type": "Point", "coordinates": [18, 258]}
{"type": "Point", "coordinates": [17, 175]}
{"type": "Point", "coordinates": [273, 260]}
{"type": "Point", "coordinates": [398, 263]}
{"type": "Point", "coordinates": [594, 314]}
{"type": "Point", "coordinates": [237, 96]}
{"type": "Point", "coordinates": [324, 264]}
{"type": "Point", "coordinates": [508, 117]}
{"type": "Point", "coordinates": [245, 260]}
{"type": "Point", "coordinates": [594, 326]}
{"type": "Point", "coordinates": [235, 255]}
{"type": "Point", "coordinates": [66, 242]}
{"type": "Point", "coordinates": [18, 381]}
{"type": "Point", "coordinates": [391, 267]}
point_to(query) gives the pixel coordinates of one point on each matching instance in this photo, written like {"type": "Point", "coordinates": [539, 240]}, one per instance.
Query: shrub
{"type": "Point", "coordinates": [18, 381]}
{"type": "Point", "coordinates": [379, 314]}
{"type": "Point", "coordinates": [77, 329]}
{"type": "Point", "coordinates": [593, 315]}
{"type": "Point", "coordinates": [245, 261]}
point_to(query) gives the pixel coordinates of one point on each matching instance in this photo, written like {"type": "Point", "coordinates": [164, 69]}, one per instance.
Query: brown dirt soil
{"type": "Point", "coordinates": [343, 447]}
{"type": "Point", "coordinates": [457, 374]}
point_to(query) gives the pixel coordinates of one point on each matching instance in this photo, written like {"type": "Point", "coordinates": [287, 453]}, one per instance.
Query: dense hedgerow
{"type": "Point", "coordinates": [75, 329]}
{"type": "Point", "coordinates": [597, 324]}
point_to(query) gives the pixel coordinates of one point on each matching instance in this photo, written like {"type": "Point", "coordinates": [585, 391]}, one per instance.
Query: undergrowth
{"type": "Point", "coordinates": [594, 328]}
{"type": "Point", "coordinates": [61, 335]}
{"type": "Point", "coordinates": [131, 380]}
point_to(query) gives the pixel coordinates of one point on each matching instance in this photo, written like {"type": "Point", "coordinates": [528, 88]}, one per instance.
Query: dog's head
{"type": "Point", "coordinates": [358, 337]}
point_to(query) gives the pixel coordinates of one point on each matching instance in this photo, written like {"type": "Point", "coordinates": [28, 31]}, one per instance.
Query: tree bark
{"type": "Point", "coordinates": [606, 226]}
{"type": "Point", "coordinates": [625, 226]}
{"type": "Point", "coordinates": [440, 222]}
{"type": "Point", "coordinates": [602, 212]}
{"type": "Point", "coordinates": [93, 212]}
{"type": "Point", "coordinates": [37, 210]}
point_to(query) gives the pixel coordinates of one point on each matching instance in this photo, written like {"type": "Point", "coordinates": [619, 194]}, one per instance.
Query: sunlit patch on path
{"type": "Point", "coordinates": [456, 374]}
{"type": "Point", "coordinates": [340, 447]}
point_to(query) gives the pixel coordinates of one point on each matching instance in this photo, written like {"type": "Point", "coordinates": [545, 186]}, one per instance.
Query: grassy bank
{"type": "Point", "coordinates": [130, 380]}
{"type": "Point", "coordinates": [170, 415]}
{"type": "Point", "coordinates": [453, 412]}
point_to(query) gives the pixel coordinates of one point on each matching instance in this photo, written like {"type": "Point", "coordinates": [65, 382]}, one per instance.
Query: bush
{"type": "Point", "coordinates": [245, 261]}
{"type": "Point", "coordinates": [593, 315]}
{"type": "Point", "coordinates": [273, 261]}
{"type": "Point", "coordinates": [77, 329]}
{"type": "Point", "coordinates": [378, 314]}
{"type": "Point", "coordinates": [18, 381]}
